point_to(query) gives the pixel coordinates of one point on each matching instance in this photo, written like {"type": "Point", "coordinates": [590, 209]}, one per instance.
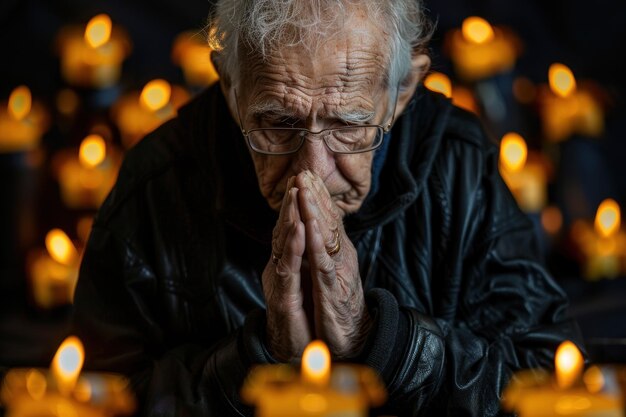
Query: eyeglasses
{"type": "Point", "coordinates": [342, 140]}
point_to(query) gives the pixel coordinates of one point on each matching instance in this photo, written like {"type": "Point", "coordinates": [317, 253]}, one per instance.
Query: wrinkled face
{"type": "Point", "coordinates": [339, 84]}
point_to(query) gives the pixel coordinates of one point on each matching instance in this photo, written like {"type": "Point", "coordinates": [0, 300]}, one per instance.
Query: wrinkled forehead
{"type": "Point", "coordinates": [351, 59]}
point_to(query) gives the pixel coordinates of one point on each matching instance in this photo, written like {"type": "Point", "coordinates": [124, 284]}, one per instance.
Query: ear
{"type": "Point", "coordinates": [420, 64]}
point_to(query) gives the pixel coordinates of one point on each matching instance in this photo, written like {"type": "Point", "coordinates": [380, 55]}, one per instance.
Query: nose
{"type": "Point", "coordinates": [314, 156]}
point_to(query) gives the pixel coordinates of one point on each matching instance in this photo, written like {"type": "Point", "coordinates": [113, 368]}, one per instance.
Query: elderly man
{"type": "Point", "coordinates": [316, 192]}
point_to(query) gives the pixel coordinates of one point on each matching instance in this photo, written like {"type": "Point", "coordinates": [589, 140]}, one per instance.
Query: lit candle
{"type": "Point", "coordinates": [22, 122]}
{"type": "Point", "coordinates": [537, 393]}
{"type": "Point", "coordinates": [567, 109]}
{"type": "Point", "coordinates": [85, 178]}
{"type": "Point", "coordinates": [461, 97]}
{"type": "Point", "coordinates": [137, 114]}
{"type": "Point", "coordinates": [193, 55]}
{"type": "Point", "coordinates": [525, 177]}
{"type": "Point", "coordinates": [479, 50]}
{"type": "Point", "coordinates": [320, 390]}
{"type": "Point", "coordinates": [603, 245]}
{"type": "Point", "coordinates": [63, 391]}
{"type": "Point", "coordinates": [92, 56]}
{"type": "Point", "coordinates": [53, 272]}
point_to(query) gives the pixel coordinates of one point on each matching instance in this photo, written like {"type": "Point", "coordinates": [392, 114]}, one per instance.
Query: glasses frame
{"type": "Point", "coordinates": [246, 133]}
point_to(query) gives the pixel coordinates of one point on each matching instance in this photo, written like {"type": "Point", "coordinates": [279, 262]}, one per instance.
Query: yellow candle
{"type": "Point", "coordinates": [86, 177]}
{"type": "Point", "coordinates": [22, 122]}
{"type": "Point", "coordinates": [527, 179]}
{"type": "Point", "coordinates": [603, 246]}
{"type": "Point", "coordinates": [63, 391]}
{"type": "Point", "coordinates": [137, 114]}
{"type": "Point", "coordinates": [319, 390]}
{"type": "Point", "coordinates": [92, 56]}
{"type": "Point", "coordinates": [566, 109]}
{"type": "Point", "coordinates": [53, 273]}
{"type": "Point", "coordinates": [193, 55]}
{"type": "Point", "coordinates": [537, 393]}
{"type": "Point", "coordinates": [480, 51]}
{"type": "Point", "coordinates": [461, 97]}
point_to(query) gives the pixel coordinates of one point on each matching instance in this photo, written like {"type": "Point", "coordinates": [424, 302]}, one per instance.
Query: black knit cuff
{"type": "Point", "coordinates": [253, 339]}
{"type": "Point", "coordinates": [388, 334]}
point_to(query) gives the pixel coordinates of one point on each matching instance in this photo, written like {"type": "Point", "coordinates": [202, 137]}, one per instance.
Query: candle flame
{"type": "Point", "coordinates": [156, 94]}
{"type": "Point", "coordinates": [477, 30]}
{"type": "Point", "coordinates": [593, 379]}
{"type": "Point", "coordinates": [98, 30]}
{"type": "Point", "coordinates": [439, 83]}
{"type": "Point", "coordinates": [20, 102]}
{"type": "Point", "coordinates": [513, 152]}
{"type": "Point", "coordinates": [561, 79]}
{"type": "Point", "coordinates": [608, 218]}
{"type": "Point", "coordinates": [316, 363]}
{"type": "Point", "coordinates": [60, 247]}
{"type": "Point", "coordinates": [67, 363]}
{"type": "Point", "coordinates": [569, 364]}
{"type": "Point", "coordinates": [92, 151]}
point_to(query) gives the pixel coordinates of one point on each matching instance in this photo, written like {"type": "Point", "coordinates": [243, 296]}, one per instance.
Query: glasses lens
{"type": "Point", "coordinates": [354, 139]}
{"type": "Point", "coordinates": [276, 141]}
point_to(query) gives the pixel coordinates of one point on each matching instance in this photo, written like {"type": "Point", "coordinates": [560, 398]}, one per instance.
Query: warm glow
{"type": "Point", "coordinates": [36, 384]}
{"type": "Point", "coordinates": [562, 81]}
{"type": "Point", "coordinates": [67, 364]}
{"type": "Point", "coordinates": [513, 152]}
{"type": "Point", "coordinates": [608, 218]}
{"type": "Point", "coordinates": [60, 247]}
{"type": "Point", "coordinates": [156, 94]}
{"type": "Point", "coordinates": [313, 403]}
{"type": "Point", "coordinates": [20, 102]}
{"type": "Point", "coordinates": [316, 363]}
{"type": "Point", "coordinates": [92, 151]}
{"type": "Point", "coordinates": [477, 30]}
{"type": "Point", "coordinates": [551, 219]}
{"type": "Point", "coordinates": [98, 31]}
{"type": "Point", "coordinates": [569, 364]}
{"type": "Point", "coordinates": [594, 380]}
{"type": "Point", "coordinates": [439, 83]}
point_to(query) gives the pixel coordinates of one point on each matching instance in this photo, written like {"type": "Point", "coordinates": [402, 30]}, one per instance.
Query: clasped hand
{"type": "Point", "coordinates": [309, 242]}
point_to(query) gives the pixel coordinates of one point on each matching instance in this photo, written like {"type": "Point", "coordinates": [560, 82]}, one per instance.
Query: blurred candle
{"type": "Point", "coordinates": [461, 97]}
{"type": "Point", "coordinates": [537, 393]}
{"type": "Point", "coordinates": [321, 389]}
{"type": "Point", "coordinates": [193, 55]}
{"type": "Point", "coordinates": [22, 122]}
{"type": "Point", "coordinates": [65, 391]}
{"type": "Point", "coordinates": [53, 272]}
{"type": "Point", "coordinates": [527, 179]}
{"type": "Point", "coordinates": [92, 56]}
{"type": "Point", "coordinates": [480, 51]}
{"type": "Point", "coordinates": [567, 109]}
{"type": "Point", "coordinates": [605, 249]}
{"type": "Point", "coordinates": [86, 177]}
{"type": "Point", "coordinates": [137, 114]}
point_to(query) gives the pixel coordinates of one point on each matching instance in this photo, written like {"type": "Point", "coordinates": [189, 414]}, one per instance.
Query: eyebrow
{"type": "Point", "coordinates": [357, 116]}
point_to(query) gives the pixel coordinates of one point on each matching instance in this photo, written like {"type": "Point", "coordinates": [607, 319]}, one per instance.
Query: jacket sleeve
{"type": "Point", "coordinates": [510, 314]}
{"type": "Point", "coordinates": [118, 323]}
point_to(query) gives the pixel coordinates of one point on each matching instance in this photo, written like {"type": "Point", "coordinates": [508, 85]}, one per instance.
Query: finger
{"type": "Point", "coordinates": [289, 214]}
{"type": "Point", "coordinates": [283, 285]}
{"type": "Point", "coordinates": [321, 264]}
{"type": "Point", "coordinates": [310, 210]}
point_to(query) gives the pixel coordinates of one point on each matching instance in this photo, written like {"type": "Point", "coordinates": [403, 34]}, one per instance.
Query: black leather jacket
{"type": "Point", "coordinates": [170, 291]}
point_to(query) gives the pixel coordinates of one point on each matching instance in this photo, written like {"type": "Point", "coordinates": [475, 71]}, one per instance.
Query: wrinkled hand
{"type": "Point", "coordinates": [287, 330]}
{"type": "Point", "coordinates": [309, 227]}
{"type": "Point", "coordinates": [341, 317]}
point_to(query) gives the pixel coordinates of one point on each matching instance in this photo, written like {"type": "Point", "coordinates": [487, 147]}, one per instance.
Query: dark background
{"type": "Point", "coordinates": [590, 37]}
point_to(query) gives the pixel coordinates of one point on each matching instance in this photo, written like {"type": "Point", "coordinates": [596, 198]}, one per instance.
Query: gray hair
{"type": "Point", "coordinates": [263, 26]}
